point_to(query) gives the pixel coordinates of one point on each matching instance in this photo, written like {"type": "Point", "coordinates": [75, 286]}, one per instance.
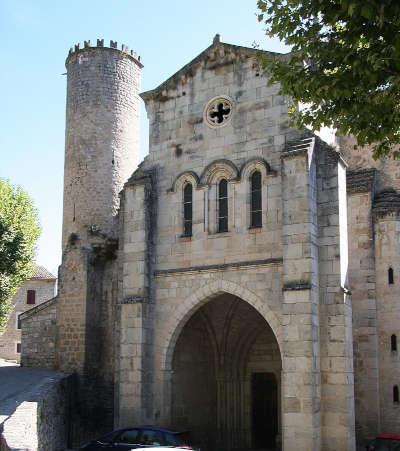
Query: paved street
{"type": "Point", "coordinates": [16, 384]}
{"type": "Point", "coordinates": [20, 391]}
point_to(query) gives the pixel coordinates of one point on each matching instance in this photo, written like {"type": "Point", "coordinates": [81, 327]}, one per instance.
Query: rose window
{"type": "Point", "coordinates": [218, 111]}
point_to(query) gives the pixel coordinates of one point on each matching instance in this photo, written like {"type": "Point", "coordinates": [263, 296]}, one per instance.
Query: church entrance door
{"type": "Point", "coordinates": [226, 370]}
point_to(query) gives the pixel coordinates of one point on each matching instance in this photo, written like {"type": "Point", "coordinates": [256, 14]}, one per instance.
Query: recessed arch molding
{"type": "Point", "coordinates": [204, 294]}
{"type": "Point", "coordinates": [221, 168]}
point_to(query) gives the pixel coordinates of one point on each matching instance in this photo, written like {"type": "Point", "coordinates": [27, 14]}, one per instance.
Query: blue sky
{"type": "Point", "coordinates": [35, 37]}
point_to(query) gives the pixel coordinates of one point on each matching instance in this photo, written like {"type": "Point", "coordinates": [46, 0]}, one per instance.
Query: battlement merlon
{"type": "Point", "coordinates": [78, 49]}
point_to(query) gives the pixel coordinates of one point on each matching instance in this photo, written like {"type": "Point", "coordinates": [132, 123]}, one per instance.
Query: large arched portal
{"type": "Point", "coordinates": [226, 377]}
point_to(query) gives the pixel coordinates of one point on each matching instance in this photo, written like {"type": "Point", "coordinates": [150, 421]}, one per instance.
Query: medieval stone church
{"type": "Point", "coordinates": [242, 283]}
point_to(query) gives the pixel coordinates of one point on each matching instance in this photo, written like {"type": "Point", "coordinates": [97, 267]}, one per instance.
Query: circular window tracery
{"type": "Point", "coordinates": [218, 111]}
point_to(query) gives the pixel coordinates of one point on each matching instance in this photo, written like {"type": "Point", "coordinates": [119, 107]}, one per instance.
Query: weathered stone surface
{"type": "Point", "coordinates": [159, 324]}
{"type": "Point", "coordinates": [43, 284]}
{"type": "Point", "coordinates": [36, 407]}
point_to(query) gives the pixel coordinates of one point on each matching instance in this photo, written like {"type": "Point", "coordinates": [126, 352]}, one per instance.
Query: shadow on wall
{"type": "Point", "coordinates": [3, 444]}
{"type": "Point", "coordinates": [35, 408]}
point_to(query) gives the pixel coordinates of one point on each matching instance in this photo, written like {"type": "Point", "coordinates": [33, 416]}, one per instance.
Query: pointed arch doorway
{"type": "Point", "coordinates": [226, 372]}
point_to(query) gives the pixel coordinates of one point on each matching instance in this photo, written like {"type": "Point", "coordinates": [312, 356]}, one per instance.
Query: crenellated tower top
{"type": "Point", "coordinates": [78, 49]}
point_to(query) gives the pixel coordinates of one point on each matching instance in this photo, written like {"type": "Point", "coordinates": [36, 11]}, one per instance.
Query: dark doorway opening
{"type": "Point", "coordinates": [265, 410]}
{"type": "Point", "coordinates": [219, 349]}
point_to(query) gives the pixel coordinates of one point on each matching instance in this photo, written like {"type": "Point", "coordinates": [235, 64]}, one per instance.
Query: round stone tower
{"type": "Point", "coordinates": [102, 135]}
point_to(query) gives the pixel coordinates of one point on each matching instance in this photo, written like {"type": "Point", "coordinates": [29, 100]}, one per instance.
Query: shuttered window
{"type": "Point", "coordinates": [31, 297]}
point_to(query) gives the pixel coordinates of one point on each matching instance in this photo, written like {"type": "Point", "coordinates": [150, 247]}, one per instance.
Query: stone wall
{"type": "Point", "coordinates": [276, 268]}
{"type": "Point", "coordinates": [12, 335]}
{"type": "Point", "coordinates": [39, 334]}
{"type": "Point", "coordinates": [41, 420]}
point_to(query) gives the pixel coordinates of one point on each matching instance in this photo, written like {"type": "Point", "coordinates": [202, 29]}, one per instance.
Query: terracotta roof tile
{"type": "Point", "coordinates": [41, 272]}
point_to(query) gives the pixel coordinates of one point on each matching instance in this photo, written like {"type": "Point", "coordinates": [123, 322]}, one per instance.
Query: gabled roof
{"type": "Point", "coordinates": [206, 55]}
{"type": "Point", "coordinates": [41, 273]}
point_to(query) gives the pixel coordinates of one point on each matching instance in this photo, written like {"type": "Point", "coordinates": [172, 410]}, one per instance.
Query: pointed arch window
{"type": "Point", "coordinates": [396, 393]}
{"type": "Point", "coordinates": [393, 343]}
{"type": "Point", "coordinates": [390, 276]}
{"type": "Point", "coordinates": [187, 209]}
{"type": "Point", "coordinates": [256, 199]}
{"type": "Point", "coordinates": [223, 206]}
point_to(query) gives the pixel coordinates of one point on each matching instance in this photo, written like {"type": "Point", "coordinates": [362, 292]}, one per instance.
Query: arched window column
{"type": "Point", "coordinates": [222, 206]}
{"type": "Point", "coordinates": [256, 199]}
{"type": "Point", "coordinates": [187, 209]}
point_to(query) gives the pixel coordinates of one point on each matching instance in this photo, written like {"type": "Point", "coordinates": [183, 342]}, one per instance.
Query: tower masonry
{"type": "Point", "coordinates": [101, 150]}
{"type": "Point", "coordinates": [102, 130]}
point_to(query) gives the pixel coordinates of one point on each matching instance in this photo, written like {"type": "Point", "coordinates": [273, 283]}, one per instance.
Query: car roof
{"type": "Point", "coordinates": [154, 428]}
{"type": "Point", "coordinates": [389, 436]}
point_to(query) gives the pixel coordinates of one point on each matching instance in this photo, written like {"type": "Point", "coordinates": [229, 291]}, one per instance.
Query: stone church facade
{"type": "Point", "coordinates": [242, 282]}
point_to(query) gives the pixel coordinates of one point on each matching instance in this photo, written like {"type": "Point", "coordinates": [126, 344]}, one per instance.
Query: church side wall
{"type": "Point", "coordinates": [387, 255]}
{"type": "Point", "coordinates": [363, 294]}
{"type": "Point", "coordinates": [337, 380]}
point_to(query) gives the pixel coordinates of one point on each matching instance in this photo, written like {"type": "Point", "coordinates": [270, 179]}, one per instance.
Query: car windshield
{"type": "Point", "coordinates": [177, 439]}
{"type": "Point", "coordinates": [109, 438]}
{"type": "Point", "coordinates": [130, 436]}
{"type": "Point", "coordinates": [152, 437]}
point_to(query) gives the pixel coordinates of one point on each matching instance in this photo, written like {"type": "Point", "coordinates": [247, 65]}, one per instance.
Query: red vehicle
{"type": "Point", "coordinates": [385, 442]}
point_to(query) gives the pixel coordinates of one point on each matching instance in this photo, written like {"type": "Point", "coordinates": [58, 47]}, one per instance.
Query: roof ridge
{"type": "Point", "coordinates": [146, 95]}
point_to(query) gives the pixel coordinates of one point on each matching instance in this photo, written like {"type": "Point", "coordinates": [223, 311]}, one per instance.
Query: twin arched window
{"type": "Point", "coordinates": [222, 204]}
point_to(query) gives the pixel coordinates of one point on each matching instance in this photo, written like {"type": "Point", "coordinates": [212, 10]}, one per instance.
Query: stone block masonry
{"type": "Point", "coordinates": [36, 408]}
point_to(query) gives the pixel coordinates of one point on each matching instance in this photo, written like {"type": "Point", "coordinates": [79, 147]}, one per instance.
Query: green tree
{"type": "Point", "coordinates": [344, 66]}
{"type": "Point", "coordinates": [19, 231]}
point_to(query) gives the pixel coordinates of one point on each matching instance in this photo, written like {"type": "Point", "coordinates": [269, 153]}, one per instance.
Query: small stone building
{"type": "Point", "coordinates": [242, 282]}
{"type": "Point", "coordinates": [38, 289]}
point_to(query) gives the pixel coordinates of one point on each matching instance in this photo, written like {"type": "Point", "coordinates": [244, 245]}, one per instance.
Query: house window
{"type": "Point", "coordinates": [223, 206]}
{"type": "Point", "coordinates": [187, 209]}
{"type": "Point", "coordinates": [390, 276]}
{"type": "Point", "coordinates": [255, 200]}
{"type": "Point", "coordinates": [18, 348]}
{"type": "Point", "coordinates": [393, 342]}
{"type": "Point", "coordinates": [396, 393]}
{"type": "Point", "coordinates": [31, 297]}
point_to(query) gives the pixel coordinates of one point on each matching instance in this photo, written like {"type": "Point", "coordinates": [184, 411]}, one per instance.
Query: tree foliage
{"type": "Point", "coordinates": [344, 67]}
{"type": "Point", "coordinates": [19, 231]}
